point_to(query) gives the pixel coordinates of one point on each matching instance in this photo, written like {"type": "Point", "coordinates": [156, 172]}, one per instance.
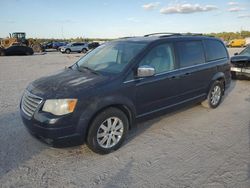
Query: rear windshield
{"type": "Point", "coordinates": [215, 50]}
{"type": "Point", "coordinates": [111, 57]}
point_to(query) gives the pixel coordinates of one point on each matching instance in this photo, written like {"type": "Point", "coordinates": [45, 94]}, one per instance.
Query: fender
{"type": "Point", "coordinates": [97, 105]}
{"type": "Point", "coordinates": [217, 76]}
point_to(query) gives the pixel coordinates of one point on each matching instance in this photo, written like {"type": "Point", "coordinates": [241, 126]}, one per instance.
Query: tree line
{"type": "Point", "coordinates": [226, 36]}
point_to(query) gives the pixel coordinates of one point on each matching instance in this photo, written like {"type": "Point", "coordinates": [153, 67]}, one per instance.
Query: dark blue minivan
{"type": "Point", "coordinates": [98, 99]}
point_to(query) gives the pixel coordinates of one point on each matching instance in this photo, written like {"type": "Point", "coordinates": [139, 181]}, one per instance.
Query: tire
{"type": "Point", "coordinates": [102, 139]}
{"type": "Point", "coordinates": [2, 53]}
{"type": "Point", "coordinates": [37, 48]}
{"type": "Point", "coordinates": [214, 96]}
{"type": "Point", "coordinates": [84, 50]}
{"type": "Point", "coordinates": [67, 51]}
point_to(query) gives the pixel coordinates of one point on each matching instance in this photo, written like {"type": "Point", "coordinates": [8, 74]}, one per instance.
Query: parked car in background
{"type": "Point", "coordinates": [241, 64]}
{"type": "Point", "coordinates": [16, 50]}
{"type": "Point", "coordinates": [47, 45]}
{"type": "Point", "coordinates": [75, 47]}
{"type": "Point", "coordinates": [56, 45]}
{"type": "Point", "coordinates": [93, 45]}
{"type": "Point", "coordinates": [237, 43]}
{"type": "Point", "coordinates": [53, 45]}
{"type": "Point", "coordinates": [100, 97]}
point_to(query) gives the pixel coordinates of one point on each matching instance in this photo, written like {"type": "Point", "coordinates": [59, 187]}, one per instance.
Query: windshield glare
{"type": "Point", "coordinates": [111, 57]}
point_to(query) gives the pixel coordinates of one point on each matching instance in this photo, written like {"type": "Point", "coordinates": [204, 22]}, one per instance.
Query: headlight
{"type": "Point", "coordinates": [59, 106]}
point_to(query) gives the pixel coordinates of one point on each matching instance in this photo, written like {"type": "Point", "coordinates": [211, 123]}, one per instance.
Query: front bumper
{"type": "Point", "coordinates": [43, 126]}
{"type": "Point", "coordinates": [241, 70]}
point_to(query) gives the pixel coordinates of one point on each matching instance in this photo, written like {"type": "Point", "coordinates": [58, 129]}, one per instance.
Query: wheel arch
{"type": "Point", "coordinates": [124, 105]}
{"type": "Point", "coordinates": [220, 76]}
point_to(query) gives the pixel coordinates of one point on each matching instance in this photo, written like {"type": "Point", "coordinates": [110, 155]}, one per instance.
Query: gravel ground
{"type": "Point", "coordinates": [193, 147]}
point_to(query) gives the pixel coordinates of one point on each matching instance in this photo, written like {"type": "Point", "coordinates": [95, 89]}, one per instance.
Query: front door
{"type": "Point", "coordinates": [160, 90]}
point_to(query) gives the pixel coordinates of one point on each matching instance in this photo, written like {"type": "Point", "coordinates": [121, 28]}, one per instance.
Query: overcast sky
{"type": "Point", "coordinates": [117, 18]}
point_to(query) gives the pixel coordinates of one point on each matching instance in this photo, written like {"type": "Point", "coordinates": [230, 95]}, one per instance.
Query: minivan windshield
{"type": "Point", "coordinates": [111, 57]}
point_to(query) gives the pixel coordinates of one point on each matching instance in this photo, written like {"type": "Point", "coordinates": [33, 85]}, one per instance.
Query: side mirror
{"type": "Point", "coordinates": [145, 71]}
{"type": "Point", "coordinates": [236, 53]}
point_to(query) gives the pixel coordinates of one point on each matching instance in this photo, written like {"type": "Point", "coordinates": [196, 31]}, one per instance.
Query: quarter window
{"type": "Point", "coordinates": [161, 58]}
{"type": "Point", "coordinates": [190, 53]}
{"type": "Point", "coordinates": [215, 50]}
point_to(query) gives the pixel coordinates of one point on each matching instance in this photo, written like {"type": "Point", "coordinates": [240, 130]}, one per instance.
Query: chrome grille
{"type": "Point", "coordinates": [30, 103]}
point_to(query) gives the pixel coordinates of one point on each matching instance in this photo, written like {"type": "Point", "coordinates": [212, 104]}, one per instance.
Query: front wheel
{"type": "Point", "coordinates": [215, 95]}
{"type": "Point", "coordinates": [107, 131]}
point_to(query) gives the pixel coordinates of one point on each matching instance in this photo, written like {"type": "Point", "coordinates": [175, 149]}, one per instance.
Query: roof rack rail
{"type": "Point", "coordinates": [163, 33]}
{"type": "Point", "coordinates": [126, 37]}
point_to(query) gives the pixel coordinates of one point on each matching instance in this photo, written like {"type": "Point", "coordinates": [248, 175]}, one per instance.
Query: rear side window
{"type": "Point", "coordinates": [190, 53]}
{"type": "Point", "coordinates": [215, 50]}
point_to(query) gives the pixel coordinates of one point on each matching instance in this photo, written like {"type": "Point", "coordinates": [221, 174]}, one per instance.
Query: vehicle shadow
{"type": "Point", "coordinates": [17, 146]}
{"type": "Point", "coordinates": [229, 90]}
{"type": "Point", "coordinates": [143, 124]}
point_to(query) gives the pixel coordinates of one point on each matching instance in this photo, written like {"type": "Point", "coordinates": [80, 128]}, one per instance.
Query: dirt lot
{"type": "Point", "coordinates": [194, 147]}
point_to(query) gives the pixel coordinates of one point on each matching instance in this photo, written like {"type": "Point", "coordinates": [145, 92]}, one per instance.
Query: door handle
{"type": "Point", "coordinates": [180, 76]}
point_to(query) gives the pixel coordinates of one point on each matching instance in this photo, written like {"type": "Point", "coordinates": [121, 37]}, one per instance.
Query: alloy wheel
{"type": "Point", "coordinates": [215, 95]}
{"type": "Point", "coordinates": [110, 132]}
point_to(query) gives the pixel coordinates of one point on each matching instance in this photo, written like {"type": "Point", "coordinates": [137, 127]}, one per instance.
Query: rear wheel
{"type": "Point", "coordinates": [107, 131]}
{"type": "Point", "coordinates": [37, 48]}
{"type": "Point", "coordinates": [84, 50]}
{"type": "Point", "coordinates": [215, 95]}
{"type": "Point", "coordinates": [67, 51]}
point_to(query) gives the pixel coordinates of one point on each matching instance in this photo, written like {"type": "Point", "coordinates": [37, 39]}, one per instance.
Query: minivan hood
{"type": "Point", "coordinates": [66, 84]}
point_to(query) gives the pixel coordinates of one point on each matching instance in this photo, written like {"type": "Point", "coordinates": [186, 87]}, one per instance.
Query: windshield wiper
{"type": "Point", "coordinates": [77, 67]}
{"type": "Point", "coordinates": [89, 69]}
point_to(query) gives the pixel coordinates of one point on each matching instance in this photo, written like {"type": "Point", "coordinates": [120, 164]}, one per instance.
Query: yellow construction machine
{"type": "Point", "coordinates": [19, 38]}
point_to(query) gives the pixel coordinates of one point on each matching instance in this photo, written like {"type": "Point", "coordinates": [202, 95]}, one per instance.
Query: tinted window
{"type": "Point", "coordinates": [190, 53]}
{"type": "Point", "coordinates": [161, 58]}
{"type": "Point", "coordinates": [77, 44]}
{"type": "Point", "coordinates": [215, 50]}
